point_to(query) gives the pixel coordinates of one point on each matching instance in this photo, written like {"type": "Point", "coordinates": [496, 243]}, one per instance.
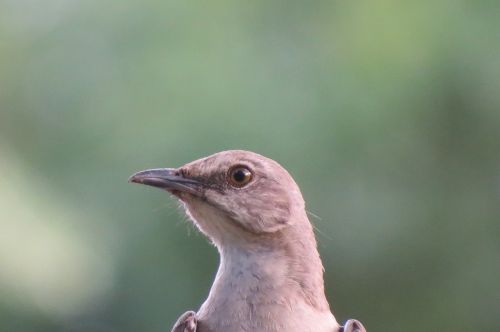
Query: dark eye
{"type": "Point", "coordinates": [239, 176]}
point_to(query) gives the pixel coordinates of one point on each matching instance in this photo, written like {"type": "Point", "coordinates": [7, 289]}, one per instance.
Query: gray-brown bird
{"type": "Point", "coordinates": [270, 276]}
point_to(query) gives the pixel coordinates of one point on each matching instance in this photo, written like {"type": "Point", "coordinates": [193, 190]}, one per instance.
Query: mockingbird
{"type": "Point", "coordinates": [270, 276]}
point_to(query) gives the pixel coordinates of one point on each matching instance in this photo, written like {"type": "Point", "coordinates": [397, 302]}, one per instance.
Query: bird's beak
{"type": "Point", "coordinates": [167, 178]}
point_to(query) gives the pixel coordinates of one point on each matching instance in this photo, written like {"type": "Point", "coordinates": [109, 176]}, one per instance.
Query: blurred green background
{"type": "Point", "coordinates": [387, 114]}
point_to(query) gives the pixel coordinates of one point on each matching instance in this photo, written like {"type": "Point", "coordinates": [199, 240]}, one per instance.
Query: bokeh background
{"type": "Point", "coordinates": [387, 114]}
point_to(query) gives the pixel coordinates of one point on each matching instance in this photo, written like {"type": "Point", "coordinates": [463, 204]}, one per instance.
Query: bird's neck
{"type": "Point", "coordinates": [276, 279]}
{"type": "Point", "coordinates": [287, 264]}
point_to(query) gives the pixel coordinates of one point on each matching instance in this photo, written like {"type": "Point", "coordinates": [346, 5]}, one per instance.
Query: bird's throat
{"type": "Point", "coordinates": [291, 270]}
{"type": "Point", "coordinates": [265, 285]}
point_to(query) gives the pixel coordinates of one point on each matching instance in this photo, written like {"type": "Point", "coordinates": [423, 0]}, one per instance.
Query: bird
{"type": "Point", "coordinates": [270, 275]}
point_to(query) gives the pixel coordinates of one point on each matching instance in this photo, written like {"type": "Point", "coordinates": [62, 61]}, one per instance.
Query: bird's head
{"type": "Point", "coordinates": [231, 194]}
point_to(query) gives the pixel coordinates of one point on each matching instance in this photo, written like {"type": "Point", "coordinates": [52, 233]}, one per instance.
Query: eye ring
{"type": "Point", "coordinates": [239, 176]}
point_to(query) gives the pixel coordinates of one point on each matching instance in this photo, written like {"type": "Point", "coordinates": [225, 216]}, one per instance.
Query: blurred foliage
{"type": "Point", "coordinates": [387, 113]}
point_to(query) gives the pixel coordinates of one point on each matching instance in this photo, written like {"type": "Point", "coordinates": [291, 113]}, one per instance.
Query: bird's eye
{"type": "Point", "coordinates": [239, 176]}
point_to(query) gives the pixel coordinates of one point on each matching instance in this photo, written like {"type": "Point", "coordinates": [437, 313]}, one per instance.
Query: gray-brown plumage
{"type": "Point", "coordinates": [270, 276]}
